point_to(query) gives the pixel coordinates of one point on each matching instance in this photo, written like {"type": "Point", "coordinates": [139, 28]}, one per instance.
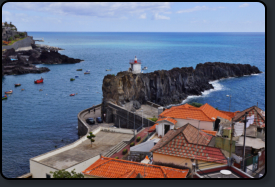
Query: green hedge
{"type": "Point", "coordinates": [138, 139]}
{"type": "Point", "coordinates": [125, 151]}
{"type": "Point", "coordinates": [132, 144]}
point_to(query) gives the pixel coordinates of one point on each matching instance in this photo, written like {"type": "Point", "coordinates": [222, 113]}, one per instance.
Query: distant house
{"type": "Point", "coordinates": [205, 117]}
{"type": "Point", "coordinates": [116, 168]}
{"type": "Point", "coordinates": [185, 145]}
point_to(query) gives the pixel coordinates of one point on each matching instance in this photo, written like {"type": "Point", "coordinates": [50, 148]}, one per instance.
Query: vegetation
{"type": "Point", "coordinates": [91, 137]}
{"type": "Point", "coordinates": [22, 34]}
{"type": "Point", "coordinates": [132, 144]}
{"type": "Point", "coordinates": [116, 157]}
{"type": "Point", "coordinates": [124, 151]}
{"type": "Point", "coordinates": [10, 39]}
{"type": "Point", "coordinates": [65, 174]}
{"type": "Point", "coordinates": [154, 119]}
{"type": "Point", "coordinates": [17, 36]}
{"type": "Point", "coordinates": [138, 139]}
{"type": "Point", "coordinates": [196, 104]}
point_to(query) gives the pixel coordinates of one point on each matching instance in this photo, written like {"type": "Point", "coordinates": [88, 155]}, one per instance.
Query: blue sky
{"type": "Point", "coordinates": [136, 17]}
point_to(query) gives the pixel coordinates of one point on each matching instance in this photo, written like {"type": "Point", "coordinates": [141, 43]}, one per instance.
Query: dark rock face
{"type": "Point", "coordinates": [53, 57]}
{"type": "Point", "coordinates": [169, 87]}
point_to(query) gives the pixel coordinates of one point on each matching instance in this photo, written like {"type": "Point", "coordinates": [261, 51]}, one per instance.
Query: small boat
{"type": "Point", "coordinates": [38, 81]}
{"type": "Point", "coordinates": [108, 69]}
{"type": "Point", "coordinates": [72, 94]}
{"type": "Point", "coordinates": [8, 92]}
{"type": "Point", "coordinates": [16, 85]}
{"type": "Point", "coordinates": [72, 79]}
{"type": "Point", "coordinates": [79, 70]}
{"type": "Point", "coordinates": [144, 68]}
{"type": "Point", "coordinates": [4, 97]}
{"type": "Point", "coordinates": [22, 89]}
{"type": "Point", "coordinates": [76, 76]}
{"type": "Point", "coordinates": [87, 72]}
{"type": "Point", "coordinates": [40, 90]}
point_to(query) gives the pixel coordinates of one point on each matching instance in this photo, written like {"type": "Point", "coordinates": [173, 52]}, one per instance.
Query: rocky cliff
{"type": "Point", "coordinates": [169, 87]}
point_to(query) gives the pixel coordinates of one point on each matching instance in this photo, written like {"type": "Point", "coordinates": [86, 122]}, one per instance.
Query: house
{"type": "Point", "coordinates": [183, 146]}
{"type": "Point", "coordinates": [205, 117]}
{"type": "Point", "coordinates": [259, 119]}
{"type": "Point", "coordinates": [116, 168]}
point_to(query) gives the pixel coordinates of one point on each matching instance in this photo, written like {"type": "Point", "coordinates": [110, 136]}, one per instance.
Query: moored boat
{"type": "Point", "coordinates": [72, 79]}
{"type": "Point", "coordinates": [16, 85]}
{"type": "Point", "coordinates": [72, 94]}
{"type": "Point", "coordinates": [108, 69]}
{"type": "Point", "coordinates": [79, 70]}
{"type": "Point", "coordinates": [39, 81]}
{"type": "Point", "coordinates": [145, 68]}
{"type": "Point", "coordinates": [76, 76]}
{"type": "Point", "coordinates": [8, 92]}
{"type": "Point", "coordinates": [4, 97]}
{"type": "Point", "coordinates": [87, 72]}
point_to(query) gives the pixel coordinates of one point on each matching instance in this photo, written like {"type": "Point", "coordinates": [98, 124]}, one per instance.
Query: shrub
{"type": "Point", "coordinates": [17, 36]}
{"type": "Point", "coordinates": [132, 144]}
{"type": "Point", "coordinates": [124, 151]}
{"type": "Point", "coordinates": [154, 119]}
{"type": "Point", "coordinates": [116, 157]}
{"type": "Point", "coordinates": [196, 104]}
{"type": "Point", "coordinates": [138, 139]}
{"type": "Point", "coordinates": [10, 39]}
{"type": "Point", "coordinates": [22, 34]}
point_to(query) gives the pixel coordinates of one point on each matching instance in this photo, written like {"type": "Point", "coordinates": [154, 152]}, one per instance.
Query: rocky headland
{"type": "Point", "coordinates": [169, 87]}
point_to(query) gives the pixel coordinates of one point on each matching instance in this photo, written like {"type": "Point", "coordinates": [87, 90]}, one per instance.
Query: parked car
{"type": "Point", "coordinates": [90, 121]}
{"type": "Point", "coordinates": [99, 120]}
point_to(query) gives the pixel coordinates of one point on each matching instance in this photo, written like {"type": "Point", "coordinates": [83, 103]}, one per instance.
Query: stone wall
{"type": "Point", "coordinates": [22, 43]}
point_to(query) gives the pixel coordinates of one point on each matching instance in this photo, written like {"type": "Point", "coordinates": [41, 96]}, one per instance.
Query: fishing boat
{"type": "Point", "coordinates": [40, 90]}
{"type": "Point", "coordinates": [4, 97]}
{"type": "Point", "coordinates": [79, 70]}
{"type": "Point", "coordinates": [72, 94]}
{"type": "Point", "coordinates": [16, 85]}
{"type": "Point", "coordinates": [145, 68]}
{"type": "Point", "coordinates": [38, 81]}
{"type": "Point", "coordinates": [22, 89]}
{"type": "Point", "coordinates": [72, 79]}
{"type": "Point", "coordinates": [108, 69]}
{"type": "Point", "coordinates": [87, 72]}
{"type": "Point", "coordinates": [8, 92]}
{"type": "Point", "coordinates": [76, 76]}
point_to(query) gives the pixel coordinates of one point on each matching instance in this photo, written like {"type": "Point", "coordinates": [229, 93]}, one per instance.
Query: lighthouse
{"type": "Point", "coordinates": [135, 66]}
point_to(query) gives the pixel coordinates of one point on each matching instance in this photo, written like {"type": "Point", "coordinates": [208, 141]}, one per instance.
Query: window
{"type": "Point", "coordinates": [48, 175]}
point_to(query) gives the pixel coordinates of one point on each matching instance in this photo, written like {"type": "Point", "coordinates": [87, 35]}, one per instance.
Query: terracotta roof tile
{"type": "Point", "coordinates": [189, 142]}
{"type": "Point", "coordinates": [213, 133]}
{"type": "Point", "coordinates": [203, 113]}
{"type": "Point", "coordinates": [167, 119]}
{"type": "Point", "coordinates": [239, 115]}
{"type": "Point", "coordinates": [114, 168]}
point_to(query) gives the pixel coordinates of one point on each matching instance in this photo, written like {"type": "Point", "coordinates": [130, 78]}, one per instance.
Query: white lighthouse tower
{"type": "Point", "coordinates": [135, 66]}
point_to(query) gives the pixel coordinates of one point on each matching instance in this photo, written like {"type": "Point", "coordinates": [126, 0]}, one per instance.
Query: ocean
{"type": "Point", "coordinates": [35, 122]}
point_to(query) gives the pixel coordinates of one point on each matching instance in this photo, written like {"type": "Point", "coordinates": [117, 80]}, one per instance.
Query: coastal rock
{"type": "Point", "coordinates": [169, 87]}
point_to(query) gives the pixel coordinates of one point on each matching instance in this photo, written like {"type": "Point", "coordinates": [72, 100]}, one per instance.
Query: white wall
{"type": "Point", "coordinates": [136, 68]}
{"type": "Point", "coordinates": [83, 165]}
{"type": "Point", "coordinates": [39, 170]}
{"type": "Point", "coordinates": [143, 147]}
{"type": "Point", "coordinates": [204, 125]}
{"type": "Point", "coordinates": [160, 127]}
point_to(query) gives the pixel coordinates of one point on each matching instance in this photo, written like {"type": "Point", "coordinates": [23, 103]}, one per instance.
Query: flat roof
{"type": "Point", "coordinates": [104, 141]}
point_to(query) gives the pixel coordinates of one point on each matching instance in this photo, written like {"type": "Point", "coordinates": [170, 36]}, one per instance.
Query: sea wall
{"type": "Point", "coordinates": [22, 43]}
{"type": "Point", "coordinates": [169, 87]}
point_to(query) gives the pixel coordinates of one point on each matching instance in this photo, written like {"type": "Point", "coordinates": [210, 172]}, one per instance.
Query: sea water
{"type": "Point", "coordinates": [35, 122]}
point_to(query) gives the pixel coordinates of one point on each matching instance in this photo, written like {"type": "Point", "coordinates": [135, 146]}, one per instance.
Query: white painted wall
{"type": "Point", "coordinates": [83, 165]}
{"type": "Point", "coordinates": [160, 127]}
{"type": "Point", "coordinates": [39, 170]}
{"type": "Point", "coordinates": [136, 68]}
{"type": "Point", "coordinates": [119, 130]}
{"type": "Point", "coordinates": [143, 147]}
{"type": "Point", "coordinates": [204, 125]}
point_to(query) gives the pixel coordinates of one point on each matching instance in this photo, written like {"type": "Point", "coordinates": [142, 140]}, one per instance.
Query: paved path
{"type": "Point", "coordinates": [142, 134]}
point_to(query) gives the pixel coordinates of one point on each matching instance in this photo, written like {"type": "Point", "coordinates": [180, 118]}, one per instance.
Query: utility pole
{"type": "Point", "coordinates": [134, 126]}
{"type": "Point", "coordinates": [232, 134]}
{"type": "Point", "coordinates": [244, 141]}
{"type": "Point", "coordinates": [197, 144]}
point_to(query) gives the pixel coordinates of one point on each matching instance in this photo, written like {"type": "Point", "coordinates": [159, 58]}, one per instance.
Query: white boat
{"type": "Point", "coordinates": [87, 72]}
{"type": "Point", "coordinates": [144, 68]}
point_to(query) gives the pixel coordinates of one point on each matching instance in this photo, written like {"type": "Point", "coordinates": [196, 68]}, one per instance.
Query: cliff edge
{"type": "Point", "coordinates": [169, 87]}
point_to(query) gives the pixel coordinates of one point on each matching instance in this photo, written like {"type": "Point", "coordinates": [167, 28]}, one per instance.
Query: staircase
{"type": "Point", "coordinates": [116, 149]}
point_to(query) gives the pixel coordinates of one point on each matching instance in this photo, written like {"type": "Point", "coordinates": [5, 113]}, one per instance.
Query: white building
{"type": "Point", "coordinates": [135, 66]}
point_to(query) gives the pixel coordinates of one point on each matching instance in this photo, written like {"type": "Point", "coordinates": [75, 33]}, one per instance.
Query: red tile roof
{"type": "Point", "coordinates": [183, 142]}
{"type": "Point", "coordinates": [203, 113]}
{"type": "Point", "coordinates": [115, 168]}
{"type": "Point", "coordinates": [254, 110]}
{"type": "Point", "coordinates": [230, 114]}
{"type": "Point", "coordinates": [213, 133]}
{"type": "Point", "coordinates": [153, 128]}
{"type": "Point", "coordinates": [168, 119]}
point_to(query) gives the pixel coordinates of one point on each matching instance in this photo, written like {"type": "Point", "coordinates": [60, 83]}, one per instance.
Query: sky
{"type": "Point", "coordinates": [136, 16]}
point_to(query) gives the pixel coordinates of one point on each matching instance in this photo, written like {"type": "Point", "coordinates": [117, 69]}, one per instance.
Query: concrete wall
{"type": "Point", "coordinates": [125, 119]}
{"type": "Point", "coordinates": [83, 165]}
{"type": "Point", "coordinates": [22, 43]}
{"type": "Point", "coordinates": [204, 125]}
{"type": "Point", "coordinates": [160, 127]}
{"type": "Point", "coordinates": [39, 170]}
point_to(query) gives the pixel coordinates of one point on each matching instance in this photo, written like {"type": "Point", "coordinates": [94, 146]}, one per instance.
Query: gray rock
{"type": "Point", "coordinates": [136, 105]}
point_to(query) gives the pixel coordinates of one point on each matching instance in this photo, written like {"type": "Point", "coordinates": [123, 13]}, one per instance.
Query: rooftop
{"type": "Point", "coordinates": [116, 168]}
{"type": "Point", "coordinates": [203, 113]}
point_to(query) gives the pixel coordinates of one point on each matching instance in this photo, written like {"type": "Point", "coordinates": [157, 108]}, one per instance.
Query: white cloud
{"type": "Point", "coordinates": [142, 16]}
{"type": "Point", "coordinates": [99, 9]}
{"type": "Point", "coordinates": [244, 5]}
{"type": "Point", "coordinates": [157, 17]}
{"type": "Point", "coordinates": [198, 8]}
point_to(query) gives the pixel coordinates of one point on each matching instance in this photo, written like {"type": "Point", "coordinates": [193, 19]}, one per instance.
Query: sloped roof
{"type": "Point", "coordinates": [242, 113]}
{"type": "Point", "coordinates": [116, 168]}
{"type": "Point", "coordinates": [229, 114]}
{"type": "Point", "coordinates": [213, 133]}
{"type": "Point", "coordinates": [152, 128]}
{"type": "Point", "coordinates": [167, 119]}
{"type": "Point", "coordinates": [203, 113]}
{"type": "Point", "coordinates": [189, 142]}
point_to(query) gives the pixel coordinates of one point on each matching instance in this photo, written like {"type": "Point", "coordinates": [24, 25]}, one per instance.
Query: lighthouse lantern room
{"type": "Point", "coordinates": [135, 66]}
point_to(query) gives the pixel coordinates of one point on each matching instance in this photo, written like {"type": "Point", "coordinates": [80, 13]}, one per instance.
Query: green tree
{"type": "Point", "coordinates": [10, 39]}
{"type": "Point", "coordinates": [91, 137]}
{"type": "Point", "coordinates": [196, 104]}
{"type": "Point", "coordinates": [65, 174]}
